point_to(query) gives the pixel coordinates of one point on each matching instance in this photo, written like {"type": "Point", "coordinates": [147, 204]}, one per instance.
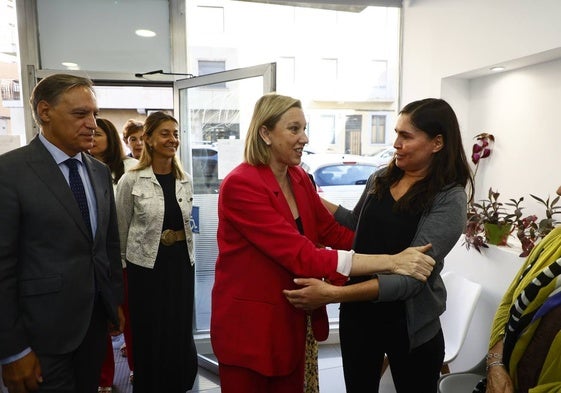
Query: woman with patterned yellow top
{"type": "Point", "coordinates": [526, 333]}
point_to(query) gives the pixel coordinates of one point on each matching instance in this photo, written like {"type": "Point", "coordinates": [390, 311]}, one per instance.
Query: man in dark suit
{"type": "Point", "coordinates": [60, 269]}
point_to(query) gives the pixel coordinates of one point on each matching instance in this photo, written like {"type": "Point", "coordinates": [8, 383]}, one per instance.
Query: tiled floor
{"type": "Point", "coordinates": [330, 375]}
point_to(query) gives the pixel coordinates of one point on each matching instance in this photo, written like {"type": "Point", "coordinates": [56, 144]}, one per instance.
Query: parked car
{"type": "Point", "coordinates": [383, 157]}
{"type": "Point", "coordinates": [205, 169]}
{"type": "Point", "coordinates": [339, 178]}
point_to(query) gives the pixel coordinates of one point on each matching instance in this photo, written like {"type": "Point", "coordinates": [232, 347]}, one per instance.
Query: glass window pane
{"type": "Point", "coordinates": [380, 73]}
{"type": "Point", "coordinates": [209, 19]}
{"type": "Point", "coordinates": [211, 67]}
{"type": "Point", "coordinates": [12, 127]}
{"type": "Point", "coordinates": [378, 129]}
{"type": "Point", "coordinates": [322, 59]}
{"type": "Point", "coordinates": [216, 121]}
{"type": "Point", "coordinates": [101, 35]}
{"type": "Point", "coordinates": [322, 132]}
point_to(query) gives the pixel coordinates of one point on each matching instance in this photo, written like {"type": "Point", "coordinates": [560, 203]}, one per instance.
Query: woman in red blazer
{"type": "Point", "coordinates": [273, 228]}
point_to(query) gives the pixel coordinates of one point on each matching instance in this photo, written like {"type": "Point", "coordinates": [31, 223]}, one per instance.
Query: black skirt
{"type": "Point", "coordinates": [161, 316]}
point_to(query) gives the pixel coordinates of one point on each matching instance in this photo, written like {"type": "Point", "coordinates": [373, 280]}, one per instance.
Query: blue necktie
{"type": "Point", "coordinates": [78, 190]}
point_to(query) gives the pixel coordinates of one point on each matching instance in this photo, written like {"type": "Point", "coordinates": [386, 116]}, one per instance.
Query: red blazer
{"type": "Point", "coordinates": [260, 253]}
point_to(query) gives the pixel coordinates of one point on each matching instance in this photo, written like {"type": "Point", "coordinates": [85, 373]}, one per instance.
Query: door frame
{"type": "Point", "coordinates": [268, 71]}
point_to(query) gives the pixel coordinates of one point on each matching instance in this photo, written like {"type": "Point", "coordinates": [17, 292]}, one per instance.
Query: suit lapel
{"type": "Point", "coordinates": [47, 170]}
{"type": "Point", "coordinates": [301, 195]}
{"type": "Point", "coordinates": [279, 199]}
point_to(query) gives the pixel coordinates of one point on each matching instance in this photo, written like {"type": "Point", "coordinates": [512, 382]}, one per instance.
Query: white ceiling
{"type": "Point", "coordinates": [337, 5]}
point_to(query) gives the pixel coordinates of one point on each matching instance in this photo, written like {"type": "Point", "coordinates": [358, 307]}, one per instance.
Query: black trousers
{"type": "Point", "coordinates": [366, 337]}
{"type": "Point", "coordinates": [78, 371]}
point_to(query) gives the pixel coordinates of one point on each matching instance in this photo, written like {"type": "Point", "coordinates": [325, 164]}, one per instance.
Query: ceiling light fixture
{"type": "Point", "coordinates": [497, 68]}
{"type": "Point", "coordinates": [145, 33]}
{"type": "Point", "coordinates": [70, 65]}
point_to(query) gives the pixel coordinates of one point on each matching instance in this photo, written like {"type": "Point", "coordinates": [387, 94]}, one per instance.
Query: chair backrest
{"type": "Point", "coordinates": [463, 295]}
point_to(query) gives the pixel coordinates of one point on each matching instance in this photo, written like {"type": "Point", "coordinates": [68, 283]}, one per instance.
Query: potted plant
{"type": "Point", "coordinates": [475, 227]}
{"type": "Point", "coordinates": [481, 148]}
{"type": "Point", "coordinates": [490, 217]}
{"type": "Point", "coordinates": [548, 223]}
{"type": "Point", "coordinates": [526, 228]}
{"type": "Point", "coordinates": [491, 222]}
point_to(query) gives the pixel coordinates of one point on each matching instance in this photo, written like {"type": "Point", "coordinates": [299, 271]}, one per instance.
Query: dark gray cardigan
{"type": "Point", "coordinates": [442, 226]}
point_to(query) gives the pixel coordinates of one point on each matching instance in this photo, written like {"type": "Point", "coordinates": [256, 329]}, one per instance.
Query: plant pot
{"type": "Point", "coordinates": [497, 234]}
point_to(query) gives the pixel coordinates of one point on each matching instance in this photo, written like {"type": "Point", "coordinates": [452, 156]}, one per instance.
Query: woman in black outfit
{"type": "Point", "coordinates": [154, 204]}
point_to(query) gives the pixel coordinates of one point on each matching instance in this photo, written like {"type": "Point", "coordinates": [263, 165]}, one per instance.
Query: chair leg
{"type": "Point", "coordinates": [385, 365]}
{"type": "Point", "coordinates": [445, 369]}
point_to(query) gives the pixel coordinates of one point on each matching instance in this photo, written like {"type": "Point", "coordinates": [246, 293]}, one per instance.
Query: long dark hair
{"type": "Point", "coordinates": [114, 154]}
{"type": "Point", "coordinates": [449, 166]}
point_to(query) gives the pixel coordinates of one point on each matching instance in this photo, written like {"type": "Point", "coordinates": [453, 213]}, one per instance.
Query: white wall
{"type": "Point", "coordinates": [448, 46]}
{"type": "Point", "coordinates": [521, 108]}
{"type": "Point", "coordinates": [442, 38]}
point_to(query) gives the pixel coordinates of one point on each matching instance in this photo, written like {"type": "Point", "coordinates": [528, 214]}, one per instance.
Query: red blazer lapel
{"type": "Point", "coordinates": [278, 197]}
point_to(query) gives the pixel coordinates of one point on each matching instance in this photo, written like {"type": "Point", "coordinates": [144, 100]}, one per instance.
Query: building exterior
{"type": "Point", "coordinates": [343, 65]}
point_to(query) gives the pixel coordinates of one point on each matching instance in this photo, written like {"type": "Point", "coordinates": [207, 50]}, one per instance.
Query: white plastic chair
{"type": "Point", "coordinates": [462, 382]}
{"type": "Point", "coordinates": [463, 295]}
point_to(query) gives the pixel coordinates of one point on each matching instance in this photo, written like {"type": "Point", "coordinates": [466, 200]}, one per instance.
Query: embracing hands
{"type": "Point", "coordinates": [413, 262]}
{"type": "Point", "coordinates": [315, 293]}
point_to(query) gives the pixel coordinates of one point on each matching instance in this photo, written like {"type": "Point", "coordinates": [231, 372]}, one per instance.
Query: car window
{"type": "Point", "coordinates": [387, 154]}
{"type": "Point", "coordinates": [205, 170]}
{"type": "Point", "coordinates": [343, 174]}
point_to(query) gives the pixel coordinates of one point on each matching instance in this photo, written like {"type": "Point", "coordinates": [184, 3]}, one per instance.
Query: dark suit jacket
{"type": "Point", "coordinates": [260, 253]}
{"type": "Point", "coordinates": [51, 270]}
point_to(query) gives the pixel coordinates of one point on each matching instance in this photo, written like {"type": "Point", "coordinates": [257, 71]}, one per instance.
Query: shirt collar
{"type": "Point", "coordinates": [57, 154]}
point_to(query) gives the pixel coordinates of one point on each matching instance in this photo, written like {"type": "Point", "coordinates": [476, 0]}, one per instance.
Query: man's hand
{"type": "Point", "coordinates": [315, 293]}
{"type": "Point", "coordinates": [414, 262]}
{"type": "Point", "coordinates": [116, 330]}
{"type": "Point", "coordinates": [22, 375]}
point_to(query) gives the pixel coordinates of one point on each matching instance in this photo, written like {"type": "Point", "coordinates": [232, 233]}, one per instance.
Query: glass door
{"type": "Point", "coordinates": [214, 112]}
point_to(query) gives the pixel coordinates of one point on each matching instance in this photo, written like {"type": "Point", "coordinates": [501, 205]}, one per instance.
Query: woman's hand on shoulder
{"type": "Point", "coordinates": [414, 262]}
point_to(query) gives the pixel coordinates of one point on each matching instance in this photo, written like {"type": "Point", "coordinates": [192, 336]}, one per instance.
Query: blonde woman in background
{"type": "Point", "coordinates": [154, 202]}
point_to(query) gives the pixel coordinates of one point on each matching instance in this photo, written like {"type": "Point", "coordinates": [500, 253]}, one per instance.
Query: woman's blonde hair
{"type": "Point", "coordinates": [267, 112]}
{"type": "Point", "coordinates": [150, 124]}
